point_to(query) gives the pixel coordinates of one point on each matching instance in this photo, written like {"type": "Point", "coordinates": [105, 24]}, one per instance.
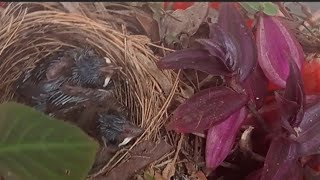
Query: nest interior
{"type": "Point", "coordinates": [31, 32]}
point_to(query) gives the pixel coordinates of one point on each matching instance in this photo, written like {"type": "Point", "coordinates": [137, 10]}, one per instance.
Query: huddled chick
{"type": "Point", "coordinates": [74, 80]}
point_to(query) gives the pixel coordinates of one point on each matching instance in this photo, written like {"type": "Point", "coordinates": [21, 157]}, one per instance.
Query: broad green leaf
{"type": "Point", "coordinates": [247, 8]}
{"type": "Point", "coordinates": [34, 146]}
{"type": "Point", "coordinates": [255, 5]}
{"type": "Point", "coordinates": [270, 8]}
{"type": "Point", "coordinates": [251, 7]}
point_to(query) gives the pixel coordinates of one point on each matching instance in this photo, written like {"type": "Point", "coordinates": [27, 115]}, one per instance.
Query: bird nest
{"type": "Point", "coordinates": [32, 32]}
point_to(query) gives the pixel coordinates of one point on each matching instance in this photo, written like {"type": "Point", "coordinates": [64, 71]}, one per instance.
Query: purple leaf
{"type": "Point", "coordinates": [276, 47]}
{"type": "Point", "coordinates": [256, 86]}
{"type": "Point", "coordinates": [233, 24]}
{"type": "Point", "coordinates": [294, 92]}
{"type": "Point", "coordinates": [197, 59]}
{"type": "Point", "coordinates": [293, 101]}
{"type": "Point", "coordinates": [223, 47]}
{"type": "Point", "coordinates": [288, 110]}
{"type": "Point", "coordinates": [205, 109]}
{"type": "Point", "coordinates": [281, 161]}
{"type": "Point", "coordinates": [309, 136]}
{"type": "Point", "coordinates": [221, 137]}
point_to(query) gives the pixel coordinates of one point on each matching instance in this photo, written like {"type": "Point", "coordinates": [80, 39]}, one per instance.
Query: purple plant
{"type": "Point", "coordinates": [231, 51]}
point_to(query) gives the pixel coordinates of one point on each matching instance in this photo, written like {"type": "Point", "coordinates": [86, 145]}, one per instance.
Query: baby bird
{"type": "Point", "coordinates": [115, 129]}
{"type": "Point", "coordinates": [79, 68]}
{"type": "Point", "coordinates": [82, 67]}
{"type": "Point", "coordinates": [71, 85]}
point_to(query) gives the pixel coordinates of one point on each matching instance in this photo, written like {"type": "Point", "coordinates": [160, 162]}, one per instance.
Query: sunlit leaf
{"type": "Point", "coordinates": [205, 109]}
{"type": "Point", "coordinates": [35, 146]}
{"type": "Point", "coordinates": [276, 47]}
{"type": "Point", "coordinates": [221, 137]}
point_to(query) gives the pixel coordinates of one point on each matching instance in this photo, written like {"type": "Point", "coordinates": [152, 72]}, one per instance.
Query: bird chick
{"type": "Point", "coordinates": [82, 67]}
{"type": "Point", "coordinates": [115, 129]}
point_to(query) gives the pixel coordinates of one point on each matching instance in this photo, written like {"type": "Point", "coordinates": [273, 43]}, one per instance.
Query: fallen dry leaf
{"type": "Point", "coordinates": [187, 92]}
{"type": "Point", "coordinates": [191, 168]}
{"type": "Point", "coordinates": [169, 170]}
{"type": "Point", "coordinates": [158, 176]}
{"type": "Point", "coordinates": [183, 21]}
{"type": "Point", "coordinates": [199, 176]}
{"type": "Point", "coordinates": [141, 156]}
{"type": "Point", "coordinates": [149, 25]}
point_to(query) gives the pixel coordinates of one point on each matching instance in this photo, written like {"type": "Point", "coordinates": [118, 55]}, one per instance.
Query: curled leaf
{"type": "Point", "coordinates": [276, 47]}
{"type": "Point", "coordinates": [197, 59]}
{"type": "Point", "coordinates": [281, 161]}
{"type": "Point", "coordinates": [233, 24]}
{"type": "Point", "coordinates": [221, 137]}
{"type": "Point", "coordinates": [205, 109]}
{"type": "Point", "coordinates": [293, 101]}
{"type": "Point", "coordinates": [256, 86]}
{"type": "Point", "coordinates": [223, 47]}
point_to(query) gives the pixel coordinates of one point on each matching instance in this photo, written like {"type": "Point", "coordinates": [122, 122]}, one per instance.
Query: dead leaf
{"type": "Point", "coordinates": [184, 21]}
{"type": "Point", "coordinates": [212, 16]}
{"type": "Point", "coordinates": [149, 25]}
{"type": "Point", "coordinates": [72, 7]}
{"type": "Point", "coordinates": [149, 175]}
{"type": "Point", "coordinates": [141, 156]}
{"type": "Point", "coordinates": [169, 170]}
{"type": "Point", "coordinates": [191, 168]}
{"type": "Point", "coordinates": [102, 157]}
{"type": "Point", "coordinates": [199, 176]}
{"type": "Point", "coordinates": [158, 176]}
{"type": "Point", "coordinates": [187, 92]}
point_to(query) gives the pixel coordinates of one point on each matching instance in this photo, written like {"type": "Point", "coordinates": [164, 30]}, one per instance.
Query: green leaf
{"type": "Point", "coordinates": [251, 7]}
{"type": "Point", "coordinates": [270, 8]}
{"type": "Point", "coordinates": [34, 146]}
{"type": "Point", "coordinates": [148, 176]}
{"type": "Point", "coordinates": [254, 5]}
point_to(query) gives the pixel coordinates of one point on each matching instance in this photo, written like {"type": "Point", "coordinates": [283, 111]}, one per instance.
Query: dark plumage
{"type": "Point", "coordinates": [116, 130]}
{"type": "Point", "coordinates": [69, 87]}
{"type": "Point", "coordinates": [49, 81]}
{"type": "Point", "coordinates": [90, 70]}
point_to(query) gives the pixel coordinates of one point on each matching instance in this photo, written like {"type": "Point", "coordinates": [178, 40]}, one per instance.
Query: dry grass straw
{"type": "Point", "coordinates": [30, 32]}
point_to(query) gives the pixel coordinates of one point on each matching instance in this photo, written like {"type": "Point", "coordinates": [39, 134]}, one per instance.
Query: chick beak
{"type": "Point", "coordinates": [108, 71]}
{"type": "Point", "coordinates": [130, 132]}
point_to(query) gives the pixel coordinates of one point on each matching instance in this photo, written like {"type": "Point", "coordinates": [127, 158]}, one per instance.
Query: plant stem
{"type": "Point", "coordinates": [258, 117]}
